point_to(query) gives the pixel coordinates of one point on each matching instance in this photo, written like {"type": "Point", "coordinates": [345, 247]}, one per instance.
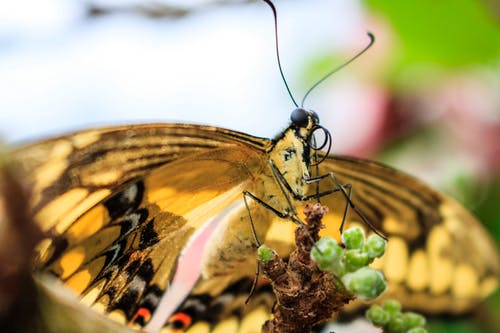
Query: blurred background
{"type": "Point", "coordinates": [425, 98]}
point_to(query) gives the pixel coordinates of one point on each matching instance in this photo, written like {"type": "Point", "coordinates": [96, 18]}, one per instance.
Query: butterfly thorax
{"type": "Point", "coordinates": [291, 152]}
{"type": "Point", "coordinates": [291, 157]}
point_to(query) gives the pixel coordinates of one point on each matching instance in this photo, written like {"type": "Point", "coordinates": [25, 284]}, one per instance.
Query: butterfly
{"type": "Point", "coordinates": [155, 225]}
{"type": "Point", "coordinates": [120, 204]}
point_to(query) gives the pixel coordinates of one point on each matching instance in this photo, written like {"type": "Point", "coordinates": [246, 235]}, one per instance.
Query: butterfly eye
{"type": "Point", "coordinates": [300, 117]}
{"type": "Point", "coordinates": [180, 321]}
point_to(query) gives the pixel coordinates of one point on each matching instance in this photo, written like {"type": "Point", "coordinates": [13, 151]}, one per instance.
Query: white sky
{"type": "Point", "coordinates": [59, 72]}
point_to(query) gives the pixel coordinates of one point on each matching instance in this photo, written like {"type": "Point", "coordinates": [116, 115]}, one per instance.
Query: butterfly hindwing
{"type": "Point", "coordinates": [437, 250]}
{"type": "Point", "coordinates": [226, 312]}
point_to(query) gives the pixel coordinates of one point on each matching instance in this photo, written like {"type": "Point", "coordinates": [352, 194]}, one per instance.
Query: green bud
{"type": "Point", "coordinates": [353, 238]}
{"type": "Point", "coordinates": [338, 268]}
{"type": "Point", "coordinates": [417, 330]}
{"type": "Point", "coordinates": [392, 306]}
{"type": "Point", "coordinates": [355, 259]}
{"type": "Point", "coordinates": [378, 316]}
{"type": "Point", "coordinates": [397, 324]}
{"type": "Point", "coordinates": [414, 319]}
{"type": "Point", "coordinates": [327, 254]}
{"type": "Point", "coordinates": [367, 283]}
{"type": "Point", "coordinates": [264, 253]}
{"type": "Point", "coordinates": [375, 246]}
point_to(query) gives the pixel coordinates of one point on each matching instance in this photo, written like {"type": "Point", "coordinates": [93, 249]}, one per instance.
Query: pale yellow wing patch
{"type": "Point", "coordinates": [439, 258]}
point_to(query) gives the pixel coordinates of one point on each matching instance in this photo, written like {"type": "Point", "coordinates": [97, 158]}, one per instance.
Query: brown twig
{"type": "Point", "coordinates": [305, 296]}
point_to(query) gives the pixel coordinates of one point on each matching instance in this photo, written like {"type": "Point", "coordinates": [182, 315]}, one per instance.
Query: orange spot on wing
{"type": "Point", "coordinates": [180, 320]}
{"type": "Point", "coordinates": [143, 314]}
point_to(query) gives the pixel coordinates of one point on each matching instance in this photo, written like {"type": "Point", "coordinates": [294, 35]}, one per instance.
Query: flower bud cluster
{"type": "Point", "coordinates": [350, 261]}
{"type": "Point", "coordinates": [392, 320]}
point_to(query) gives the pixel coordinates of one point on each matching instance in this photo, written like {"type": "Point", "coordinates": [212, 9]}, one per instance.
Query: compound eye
{"type": "Point", "coordinates": [300, 117]}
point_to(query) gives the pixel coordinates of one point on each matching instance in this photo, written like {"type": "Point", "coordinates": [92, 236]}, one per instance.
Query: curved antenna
{"type": "Point", "coordinates": [333, 71]}
{"type": "Point", "coordinates": [278, 51]}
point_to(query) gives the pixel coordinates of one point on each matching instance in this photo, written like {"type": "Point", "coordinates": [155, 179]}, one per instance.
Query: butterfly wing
{"type": "Point", "coordinates": [70, 174]}
{"type": "Point", "coordinates": [120, 204]}
{"type": "Point", "coordinates": [225, 312]}
{"type": "Point", "coordinates": [439, 258]}
{"type": "Point", "coordinates": [125, 178]}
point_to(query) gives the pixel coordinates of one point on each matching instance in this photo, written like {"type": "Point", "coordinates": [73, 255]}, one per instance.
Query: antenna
{"type": "Point", "coordinates": [278, 51]}
{"type": "Point", "coordinates": [333, 71]}
{"type": "Point", "coordinates": [336, 69]}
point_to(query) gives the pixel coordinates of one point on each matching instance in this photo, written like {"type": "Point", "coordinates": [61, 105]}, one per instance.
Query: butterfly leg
{"type": "Point", "coordinates": [340, 187]}
{"type": "Point", "coordinates": [348, 195]}
{"type": "Point", "coordinates": [356, 209]}
{"type": "Point", "coordinates": [286, 188]}
{"type": "Point", "coordinates": [252, 226]}
{"type": "Point", "coordinates": [287, 214]}
{"type": "Point", "coordinates": [346, 190]}
{"type": "Point", "coordinates": [284, 215]}
{"type": "Point", "coordinates": [247, 194]}
{"type": "Point", "coordinates": [287, 191]}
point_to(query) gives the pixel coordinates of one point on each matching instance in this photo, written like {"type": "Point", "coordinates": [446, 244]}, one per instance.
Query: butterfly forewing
{"type": "Point", "coordinates": [108, 232]}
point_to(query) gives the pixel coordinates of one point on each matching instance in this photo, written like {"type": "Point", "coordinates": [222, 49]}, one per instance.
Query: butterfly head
{"type": "Point", "coordinates": [306, 124]}
{"type": "Point", "coordinates": [293, 149]}
{"type": "Point", "coordinates": [302, 118]}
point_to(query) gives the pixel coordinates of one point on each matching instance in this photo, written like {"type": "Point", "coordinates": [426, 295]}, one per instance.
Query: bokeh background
{"type": "Point", "coordinates": [425, 98]}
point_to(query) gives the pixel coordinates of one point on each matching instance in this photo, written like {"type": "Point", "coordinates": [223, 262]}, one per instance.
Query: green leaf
{"type": "Point", "coordinates": [446, 32]}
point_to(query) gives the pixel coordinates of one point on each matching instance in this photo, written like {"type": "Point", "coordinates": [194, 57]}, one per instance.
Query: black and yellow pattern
{"type": "Point", "coordinates": [119, 204]}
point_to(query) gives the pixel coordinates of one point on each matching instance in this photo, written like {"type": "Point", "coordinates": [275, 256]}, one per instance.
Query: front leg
{"type": "Point", "coordinates": [288, 191]}
{"type": "Point", "coordinates": [346, 190]}
{"type": "Point", "coordinates": [282, 214]}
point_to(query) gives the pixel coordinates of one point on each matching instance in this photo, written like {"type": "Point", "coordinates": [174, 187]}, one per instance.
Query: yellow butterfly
{"type": "Point", "coordinates": [125, 207]}
{"type": "Point", "coordinates": [120, 204]}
